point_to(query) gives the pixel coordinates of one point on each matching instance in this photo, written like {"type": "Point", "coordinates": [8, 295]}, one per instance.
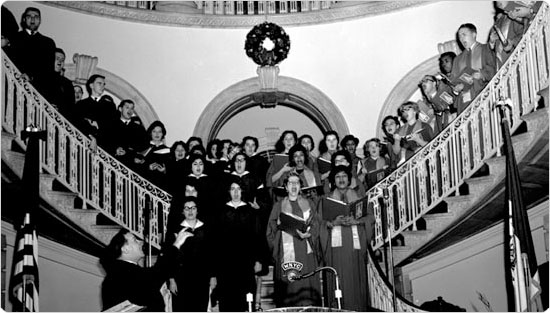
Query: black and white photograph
{"type": "Point", "coordinates": [277, 156]}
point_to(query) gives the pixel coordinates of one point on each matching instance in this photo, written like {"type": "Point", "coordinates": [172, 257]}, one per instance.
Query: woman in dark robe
{"type": "Point", "coordinates": [190, 286]}
{"type": "Point", "coordinates": [347, 240]}
{"type": "Point", "coordinates": [239, 248]}
{"type": "Point", "coordinates": [153, 160]}
{"type": "Point", "coordinates": [177, 167]}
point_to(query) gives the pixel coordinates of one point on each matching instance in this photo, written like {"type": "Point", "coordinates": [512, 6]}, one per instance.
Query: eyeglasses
{"type": "Point", "coordinates": [190, 208]}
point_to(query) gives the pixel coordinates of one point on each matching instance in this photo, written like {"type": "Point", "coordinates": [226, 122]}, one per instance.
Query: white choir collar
{"type": "Point", "coordinates": [197, 225]}
{"type": "Point", "coordinates": [240, 175]}
{"type": "Point", "coordinates": [231, 204]}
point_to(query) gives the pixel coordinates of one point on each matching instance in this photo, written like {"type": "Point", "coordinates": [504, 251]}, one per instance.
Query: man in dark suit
{"type": "Point", "coordinates": [94, 116]}
{"type": "Point", "coordinates": [128, 136]}
{"type": "Point", "coordinates": [127, 280]}
{"type": "Point", "coordinates": [32, 52]}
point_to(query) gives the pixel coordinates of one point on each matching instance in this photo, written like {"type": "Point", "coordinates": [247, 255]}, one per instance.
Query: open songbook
{"type": "Point", "coordinates": [281, 191]}
{"type": "Point", "coordinates": [324, 165]}
{"type": "Point", "coordinates": [290, 223]}
{"type": "Point", "coordinates": [333, 208]}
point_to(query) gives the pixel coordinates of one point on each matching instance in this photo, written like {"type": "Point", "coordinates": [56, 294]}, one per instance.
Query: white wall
{"type": "Point", "coordinates": [70, 280]}
{"type": "Point", "coordinates": [180, 70]}
{"type": "Point", "coordinates": [457, 272]}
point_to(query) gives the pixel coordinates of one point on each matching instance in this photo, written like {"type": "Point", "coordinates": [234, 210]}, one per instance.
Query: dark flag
{"type": "Point", "coordinates": [522, 278]}
{"type": "Point", "coordinates": [24, 283]}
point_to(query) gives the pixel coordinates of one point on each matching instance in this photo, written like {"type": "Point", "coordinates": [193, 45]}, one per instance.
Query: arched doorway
{"type": "Point", "coordinates": [292, 93]}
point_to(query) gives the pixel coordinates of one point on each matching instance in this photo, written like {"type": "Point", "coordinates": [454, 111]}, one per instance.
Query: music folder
{"type": "Point", "coordinates": [291, 223]}
{"type": "Point", "coordinates": [333, 208]}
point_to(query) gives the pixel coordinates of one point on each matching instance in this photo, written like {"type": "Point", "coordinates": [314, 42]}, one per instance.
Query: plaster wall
{"type": "Point", "coordinates": [70, 280]}
{"type": "Point", "coordinates": [356, 63]}
{"type": "Point", "coordinates": [458, 272]}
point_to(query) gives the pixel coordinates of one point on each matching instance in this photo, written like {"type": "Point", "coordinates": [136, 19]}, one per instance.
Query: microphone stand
{"type": "Point", "coordinates": [386, 219]}
{"type": "Point", "coordinates": [337, 292]}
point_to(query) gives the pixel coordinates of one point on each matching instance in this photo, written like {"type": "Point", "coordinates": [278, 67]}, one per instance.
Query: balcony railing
{"type": "Point", "coordinates": [440, 167]}
{"type": "Point", "coordinates": [239, 7]}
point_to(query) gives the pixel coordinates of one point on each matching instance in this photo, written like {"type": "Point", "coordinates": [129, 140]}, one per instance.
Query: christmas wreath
{"type": "Point", "coordinates": [267, 44]}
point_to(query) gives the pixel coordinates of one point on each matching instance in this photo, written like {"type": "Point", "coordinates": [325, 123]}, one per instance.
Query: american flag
{"type": "Point", "coordinates": [24, 281]}
{"type": "Point", "coordinates": [522, 277]}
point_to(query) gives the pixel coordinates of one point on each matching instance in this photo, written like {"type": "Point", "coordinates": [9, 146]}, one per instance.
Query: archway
{"type": "Point", "coordinates": [292, 93]}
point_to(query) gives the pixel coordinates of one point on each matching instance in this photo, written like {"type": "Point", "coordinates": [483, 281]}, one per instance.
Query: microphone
{"type": "Point", "coordinates": [291, 270]}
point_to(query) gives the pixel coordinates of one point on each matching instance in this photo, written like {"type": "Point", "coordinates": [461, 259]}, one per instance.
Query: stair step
{"type": "Point", "coordinates": [7, 141]}
{"type": "Point", "coordinates": [478, 185]}
{"type": "Point", "coordinates": [497, 165]}
{"type": "Point", "coordinates": [46, 181]}
{"type": "Point", "coordinates": [85, 217]}
{"type": "Point", "coordinates": [16, 161]}
{"type": "Point", "coordinates": [458, 204]}
{"type": "Point", "coordinates": [522, 142]}
{"type": "Point", "coordinates": [63, 198]}
{"type": "Point", "coordinates": [416, 238]}
{"type": "Point", "coordinates": [536, 120]}
{"type": "Point", "coordinates": [438, 221]}
{"type": "Point", "coordinates": [400, 253]}
{"type": "Point", "coordinates": [105, 232]}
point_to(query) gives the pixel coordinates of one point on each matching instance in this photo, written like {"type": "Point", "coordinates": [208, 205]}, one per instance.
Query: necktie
{"type": "Point", "coordinates": [469, 58]}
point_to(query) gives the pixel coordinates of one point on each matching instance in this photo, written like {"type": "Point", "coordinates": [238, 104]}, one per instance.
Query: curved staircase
{"type": "Point", "coordinates": [446, 183]}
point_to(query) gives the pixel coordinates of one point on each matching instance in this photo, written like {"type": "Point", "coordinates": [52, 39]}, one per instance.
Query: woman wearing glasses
{"type": "Point", "coordinates": [293, 233]}
{"type": "Point", "coordinates": [190, 286]}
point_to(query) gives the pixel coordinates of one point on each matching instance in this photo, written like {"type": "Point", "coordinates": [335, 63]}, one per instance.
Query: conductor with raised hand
{"type": "Point", "coordinates": [127, 280]}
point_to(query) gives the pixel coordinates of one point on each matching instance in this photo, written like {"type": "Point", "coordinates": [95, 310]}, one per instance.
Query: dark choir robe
{"type": "Point", "coordinates": [410, 146]}
{"type": "Point", "coordinates": [512, 32]}
{"type": "Point", "coordinates": [208, 194]}
{"type": "Point", "coordinates": [129, 281]}
{"type": "Point", "coordinates": [479, 58]}
{"type": "Point", "coordinates": [392, 157]}
{"type": "Point", "coordinates": [159, 154]}
{"type": "Point", "coordinates": [258, 166]}
{"type": "Point", "coordinates": [129, 135]}
{"type": "Point", "coordinates": [60, 93]}
{"type": "Point", "coordinates": [238, 249]}
{"type": "Point", "coordinates": [252, 189]}
{"type": "Point", "coordinates": [371, 166]}
{"type": "Point", "coordinates": [195, 268]}
{"type": "Point", "coordinates": [177, 171]}
{"type": "Point", "coordinates": [33, 55]}
{"type": "Point", "coordinates": [441, 101]}
{"type": "Point", "coordinates": [95, 118]}
{"type": "Point", "coordinates": [346, 250]}
{"type": "Point", "coordinates": [286, 247]}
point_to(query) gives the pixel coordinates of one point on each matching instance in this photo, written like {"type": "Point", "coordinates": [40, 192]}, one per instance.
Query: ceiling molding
{"type": "Point", "coordinates": [359, 9]}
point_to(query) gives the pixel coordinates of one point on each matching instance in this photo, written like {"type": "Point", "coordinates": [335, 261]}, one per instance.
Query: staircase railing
{"type": "Point", "coordinates": [440, 167]}
{"type": "Point", "coordinates": [99, 179]}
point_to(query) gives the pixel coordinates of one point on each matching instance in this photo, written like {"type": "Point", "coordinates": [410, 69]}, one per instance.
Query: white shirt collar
{"type": "Point", "coordinates": [231, 204]}
{"type": "Point", "coordinates": [192, 175]}
{"type": "Point", "coordinates": [240, 175]}
{"type": "Point", "coordinates": [197, 224]}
